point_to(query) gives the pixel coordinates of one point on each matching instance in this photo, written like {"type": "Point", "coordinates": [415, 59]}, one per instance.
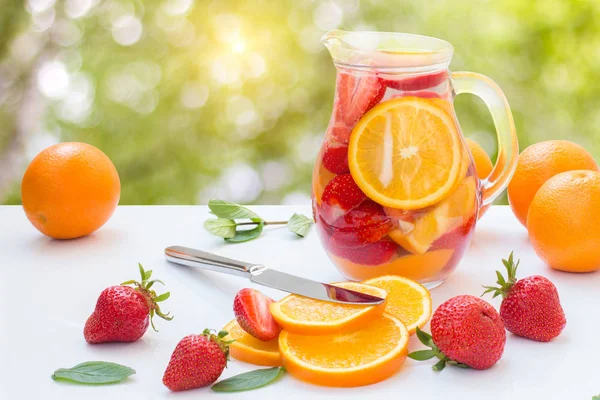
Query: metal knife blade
{"type": "Point", "coordinates": [268, 277]}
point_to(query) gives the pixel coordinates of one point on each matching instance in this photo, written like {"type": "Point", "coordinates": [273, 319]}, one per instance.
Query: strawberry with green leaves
{"type": "Point", "coordinates": [530, 306]}
{"type": "Point", "coordinates": [123, 312]}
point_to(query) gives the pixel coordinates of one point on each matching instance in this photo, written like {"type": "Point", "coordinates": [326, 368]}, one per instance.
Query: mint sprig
{"type": "Point", "coordinates": [226, 226]}
{"type": "Point", "coordinates": [94, 373]}
{"type": "Point", "coordinates": [249, 380]}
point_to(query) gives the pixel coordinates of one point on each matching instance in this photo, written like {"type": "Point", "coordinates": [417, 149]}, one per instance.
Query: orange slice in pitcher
{"type": "Point", "coordinates": [407, 300]}
{"type": "Point", "coordinates": [359, 357]}
{"type": "Point", "coordinates": [249, 349]}
{"type": "Point", "coordinates": [299, 314]}
{"type": "Point", "coordinates": [448, 214]}
{"type": "Point", "coordinates": [406, 153]}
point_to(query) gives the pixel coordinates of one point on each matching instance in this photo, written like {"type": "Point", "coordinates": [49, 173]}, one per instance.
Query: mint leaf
{"type": "Point", "coordinates": [249, 380]}
{"type": "Point", "coordinates": [422, 355]}
{"type": "Point", "coordinates": [248, 234]}
{"type": "Point", "coordinates": [228, 210]}
{"type": "Point", "coordinates": [94, 372]}
{"type": "Point", "coordinates": [299, 224]}
{"type": "Point", "coordinates": [221, 227]}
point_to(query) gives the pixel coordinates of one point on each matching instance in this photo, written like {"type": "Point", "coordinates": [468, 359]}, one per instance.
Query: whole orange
{"type": "Point", "coordinates": [483, 163]}
{"type": "Point", "coordinates": [564, 221]}
{"type": "Point", "coordinates": [69, 190]}
{"type": "Point", "coordinates": [540, 162]}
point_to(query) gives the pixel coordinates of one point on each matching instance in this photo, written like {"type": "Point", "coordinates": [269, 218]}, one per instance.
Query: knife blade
{"type": "Point", "coordinates": [268, 277]}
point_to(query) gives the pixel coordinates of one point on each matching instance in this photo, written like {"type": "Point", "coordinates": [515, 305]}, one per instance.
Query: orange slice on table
{"type": "Point", "coordinates": [406, 153]}
{"type": "Point", "coordinates": [299, 314]}
{"type": "Point", "coordinates": [407, 300]}
{"type": "Point", "coordinates": [448, 214]}
{"type": "Point", "coordinates": [249, 349]}
{"type": "Point", "coordinates": [350, 358]}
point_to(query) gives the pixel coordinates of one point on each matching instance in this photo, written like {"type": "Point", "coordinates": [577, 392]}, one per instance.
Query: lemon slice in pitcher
{"type": "Point", "coordinates": [406, 153]}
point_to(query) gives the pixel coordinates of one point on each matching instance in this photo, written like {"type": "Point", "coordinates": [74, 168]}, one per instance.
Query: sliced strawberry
{"type": "Point", "coordinates": [370, 254]}
{"type": "Point", "coordinates": [424, 94]}
{"type": "Point", "coordinates": [357, 94]}
{"type": "Point", "coordinates": [251, 309]}
{"type": "Point", "coordinates": [341, 195]}
{"type": "Point", "coordinates": [418, 82]}
{"type": "Point", "coordinates": [457, 237]}
{"type": "Point", "coordinates": [335, 158]}
{"type": "Point", "coordinates": [339, 132]}
{"type": "Point", "coordinates": [366, 223]}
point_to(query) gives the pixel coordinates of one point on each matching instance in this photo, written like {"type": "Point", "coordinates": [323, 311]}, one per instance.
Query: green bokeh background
{"type": "Point", "coordinates": [200, 99]}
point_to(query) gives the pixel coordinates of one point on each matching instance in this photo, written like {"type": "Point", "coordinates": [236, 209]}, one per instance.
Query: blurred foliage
{"type": "Point", "coordinates": [230, 98]}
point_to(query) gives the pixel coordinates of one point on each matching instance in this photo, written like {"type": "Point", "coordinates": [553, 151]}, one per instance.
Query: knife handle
{"type": "Point", "coordinates": [208, 261]}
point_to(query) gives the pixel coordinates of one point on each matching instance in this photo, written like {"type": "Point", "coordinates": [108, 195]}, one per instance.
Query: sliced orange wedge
{"type": "Point", "coordinates": [303, 315]}
{"type": "Point", "coordinates": [248, 349]}
{"type": "Point", "coordinates": [350, 358]}
{"type": "Point", "coordinates": [407, 300]}
{"type": "Point", "coordinates": [406, 153]}
{"type": "Point", "coordinates": [448, 214]}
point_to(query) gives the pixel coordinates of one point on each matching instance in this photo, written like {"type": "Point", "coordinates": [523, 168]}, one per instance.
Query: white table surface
{"type": "Point", "coordinates": [50, 288]}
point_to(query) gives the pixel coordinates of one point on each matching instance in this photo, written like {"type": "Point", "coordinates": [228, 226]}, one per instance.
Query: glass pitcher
{"type": "Point", "coordinates": [395, 191]}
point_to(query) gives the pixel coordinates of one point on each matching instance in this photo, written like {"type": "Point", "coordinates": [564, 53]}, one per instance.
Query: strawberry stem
{"type": "Point", "coordinates": [504, 285]}
{"type": "Point", "coordinates": [151, 297]}
{"type": "Point", "coordinates": [434, 352]}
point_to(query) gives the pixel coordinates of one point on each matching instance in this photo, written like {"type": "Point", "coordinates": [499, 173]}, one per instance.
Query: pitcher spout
{"type": "Point", "coordinates": [400, 52]}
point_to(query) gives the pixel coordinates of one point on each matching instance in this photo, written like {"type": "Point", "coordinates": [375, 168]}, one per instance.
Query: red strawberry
{"type": "Point", "coordinates": [251, 309]}
{"type": "Point", "coordinates": [424, 94]}
{"type": "Point", "coordinates": [364, 224]}
{"type": "Point", "coordinates": [456, 237]}
{"type": "Point", "coordinates": [123, 313]}
{"type": "Point", "coordinates": [357, 94]}
{"type": "Point", "coordinates": [341, 195]}
{"type": "Point", "coordinates": [530, 306]}
{"type": "Point", "coordinates": [418, 82]}
{"type": "Point", "coordinates": [335, 158]}
{"type": "Point", "coordinates": [339, 132]}
{"type": "Point", "coordinates": [197, 361]}
{"type": "Point", "coordinates": [370, 254]}
{"type": "Point", "coordinates": [465, 331]}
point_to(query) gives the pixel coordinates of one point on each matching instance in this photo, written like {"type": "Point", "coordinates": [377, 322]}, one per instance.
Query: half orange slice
{"type": "Point", "coordinates": [350, 358]}
{"type": "Point", "coordinates": [249, 349]}
{"type": "Point", "coordinates": [406, 153]}
{"type": "Point", "coordinates": [307, 316]}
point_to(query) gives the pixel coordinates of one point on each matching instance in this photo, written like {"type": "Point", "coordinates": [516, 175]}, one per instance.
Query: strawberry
{"type": "Point", "coordinates": [424, 94]}
{"type": "Point", "coordinates": [457, 236]}
{"type": "Point", "coordinates": [335, 158]}
{"type": "Point", "coordinates": [339, 132]}
{"type": "Point", "coordinates": [530, 306]}
{"type": "Point", "coordinates": [466, 331]}
{"type": "Point", "coordinates": [370, 254]}
{"type": "Point", "coordinates": [417, 82]}
{"type": "Point", "coordinates": [197, 361]}
{"type": "Point", "coordinates": [341, 195]}
{"type": "Point", "coordinates": [251, 309]}
{"type": "Point", "coordinates": [123, 312]}
{"type": "Point", "coordinates": [364, 224]}
{"type": "Point", "coordinates": [357, 94]}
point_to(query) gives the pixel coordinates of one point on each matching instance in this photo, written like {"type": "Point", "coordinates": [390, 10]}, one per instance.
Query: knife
{"type": "Point", "coordinates": [268, 277]}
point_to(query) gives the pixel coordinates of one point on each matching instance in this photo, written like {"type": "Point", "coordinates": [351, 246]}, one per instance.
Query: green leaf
{"type": "Point", "coordinates": [501, 280]}
{"type": "Point", "coordinates": [147, 275]}
{"type": "Point", "coordinates": [439, 366]}
{"type": "Point", "coordinates": [221, 227]}
{"type": "Point", "coordinates": [424, 337]}
{"type": "Point", "coordinates": [142, 272]}
{"type": "Point", "coordinates": [94, 372]}
{"type": "Point", "coordinates": [248, 234]}
{"type": "Point", "coordinates": [162, 297]}
{"type": "Point", "coordinates": [300, 224]}
{"type": "Point", "coordinates": [422, 355]}
{"type": "Point", "coordinates": [228, 210]}
{"type": "Point", "coordinates": [459, 365]}
{"type": "Point", "coordinates": [249, 380]}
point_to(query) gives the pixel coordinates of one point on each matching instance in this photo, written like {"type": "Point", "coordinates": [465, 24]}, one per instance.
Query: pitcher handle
{"type": "Point", "coordinates": [508, 144]}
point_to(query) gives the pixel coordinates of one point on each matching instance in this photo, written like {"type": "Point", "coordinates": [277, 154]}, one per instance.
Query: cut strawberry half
{"type": "Point", "coordinates": [251, 309]}
{"type": "Point", "coordinates": [365, 224]}
{"type": "Point", "coordinates": [339, 132]}
{"type": "Point", "coordinates": [456, 237]}
{"type": "Point", "coordinates": [357, 94]}
{"type": "Point", "coordinates": [335, 158]}
{"type": "Point", "coordinates": [341, 195]}
{"type": "Point", "coordinates": [418, 82]}
{"type": "Point", "coordinates": [370, 254]}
